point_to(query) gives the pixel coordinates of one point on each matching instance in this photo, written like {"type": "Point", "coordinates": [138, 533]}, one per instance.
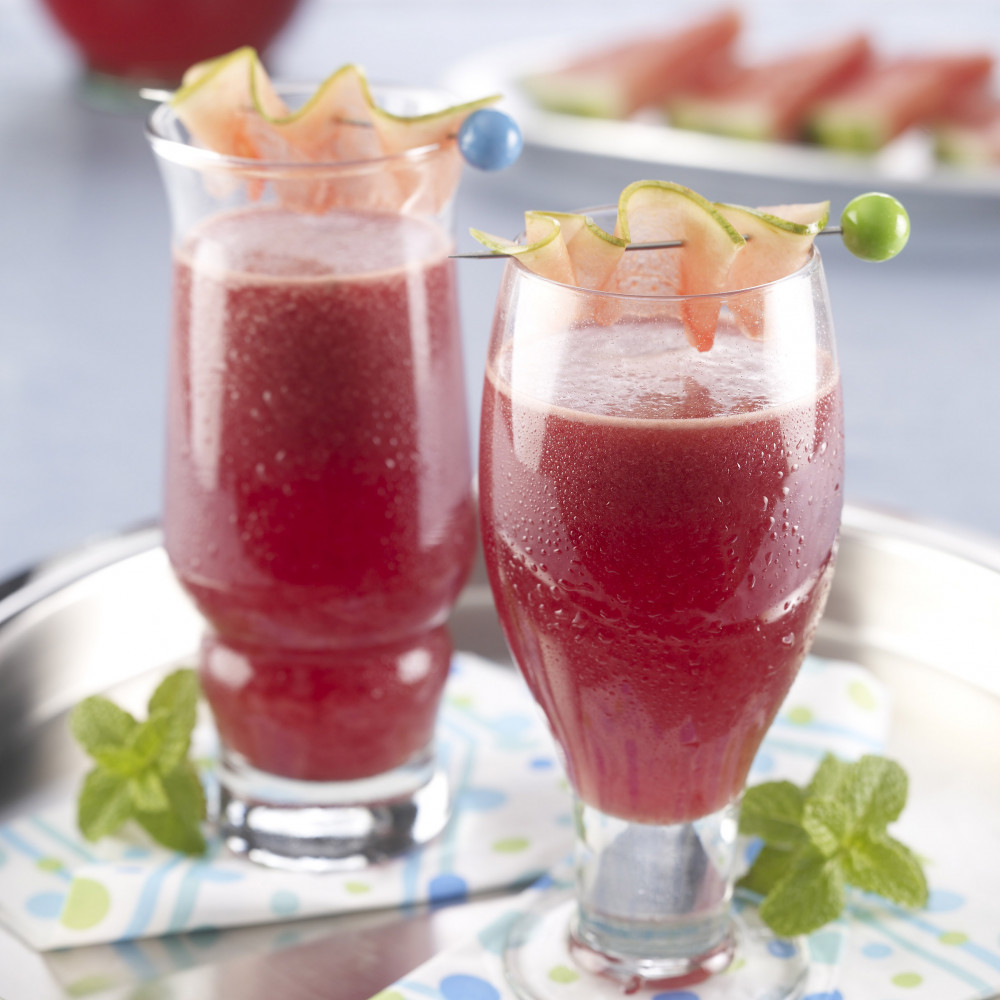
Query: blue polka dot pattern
{"type": "Point", "coordinates": [781, 949]}
{"type": "Point", "coordinates": [512, 725]}
{"type": "Point", "coordinates": [754, 846]}
{"type": "Point", "coordinates": [447, 888]}
{"type": "Point", "coordinates": [463, 987]}
{"type": "Point", "coordinates": [831, 995]}
{"type": "Point", "coordinates": [46, 905]}
{"type": "Point", "coordinates": [876, 950]}
{"type": "Point", "coordinates": [676, 995]}
{"type": "Point", "coordinates": [542, 764]}
{"type": "Point", "coordinates": [942, 901]}
{"type": "Point", "coordinates": [482, 799]}
{"type": "Point", "coordinates": [825, 946]}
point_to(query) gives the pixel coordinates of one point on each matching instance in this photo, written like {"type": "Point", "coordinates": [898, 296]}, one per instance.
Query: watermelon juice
{"type": "Point", "coordinates": [318, 505]}
{"type": "Point", "coordinates": [660, 528]}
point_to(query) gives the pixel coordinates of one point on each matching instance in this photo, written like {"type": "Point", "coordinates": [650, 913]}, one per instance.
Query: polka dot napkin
{"type": "Point", "coordinates": [949, 951]}
{"type": "Point", "coordinates": [511, 824]}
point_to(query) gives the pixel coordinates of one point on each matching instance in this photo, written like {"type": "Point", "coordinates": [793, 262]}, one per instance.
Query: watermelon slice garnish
{"type": "Point", "coordinates": [226, 102]}
{"type": "Point", "coordinates": [650, 211]}
{"type": "Point", "coordinates": [230, 106]}
{"type": "Point", "coordinates": [779, 242]}
{"type": "Point", "coordinates": [543, 251]}
{"type": "Point", "coordinates": [723, 249]}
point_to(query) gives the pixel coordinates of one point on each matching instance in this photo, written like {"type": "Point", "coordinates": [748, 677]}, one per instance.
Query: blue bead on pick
{"type": "Point", "coordinates": [490, 139]}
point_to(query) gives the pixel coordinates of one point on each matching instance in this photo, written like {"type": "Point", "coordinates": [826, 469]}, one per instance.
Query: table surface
{"type": "Point", "coordinates": [84, 264]}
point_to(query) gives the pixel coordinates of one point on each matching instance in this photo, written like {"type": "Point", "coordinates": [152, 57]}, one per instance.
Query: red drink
{"type": "Point", "coordinates": [660, 536]}
{"type": "Point", "coordinates": [319, 504]}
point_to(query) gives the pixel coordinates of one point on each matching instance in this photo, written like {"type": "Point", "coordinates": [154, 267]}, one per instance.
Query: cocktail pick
{"type": "Point", "coordinates": [873, 226]}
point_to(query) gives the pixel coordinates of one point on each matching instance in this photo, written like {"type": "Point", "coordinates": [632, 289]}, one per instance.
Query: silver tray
{"type": "Point", "coordinates": [917, 605]}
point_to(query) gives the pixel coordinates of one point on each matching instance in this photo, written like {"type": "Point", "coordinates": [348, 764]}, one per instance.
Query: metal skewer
{"type": "Point", "coordinates": [658, 245]}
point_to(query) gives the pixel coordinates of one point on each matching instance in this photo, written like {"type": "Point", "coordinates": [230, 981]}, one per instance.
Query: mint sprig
{"type": "Point", "coordinates": [822, 838]}
{"type": "Point", "coordinates": [142, 771]}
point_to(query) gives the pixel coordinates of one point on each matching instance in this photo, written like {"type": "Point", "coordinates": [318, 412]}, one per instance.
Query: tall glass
{"type": "Point", "coordinates": [318, 485]}
{"type": "Point", "coordinates": [660, 526]}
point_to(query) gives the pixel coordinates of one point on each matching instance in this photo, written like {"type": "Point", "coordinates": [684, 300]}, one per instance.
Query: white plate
{"type": "Point", "coordinates": [907, 162]}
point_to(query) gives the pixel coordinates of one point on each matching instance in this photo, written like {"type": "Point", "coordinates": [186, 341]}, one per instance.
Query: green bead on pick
{"type": "Point", "coordinates": [875, 226]}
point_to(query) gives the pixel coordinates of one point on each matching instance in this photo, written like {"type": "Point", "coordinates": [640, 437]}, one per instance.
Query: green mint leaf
{"type": "Point", "coordinates": [143, 771]}
{"type": "Point", "coordinates": [826, 836]}
{"type": "Point", "coordinates": [883, 865]}
{"type": "Point", "coordinates": [104, 804]}
{"type": "Point", "coordinates": [146, 740]}
{"type": "Point", "coordinates": [167, 830]}
{"type": "Point", "coordinates": [187, 794]}
{"type": "Point", "coordinates": [177, 694]}
{"type": "Point", "coordinates": [827, 823]}
{"type": "Point", "coordinates": [147, 792]}
{"type": "Point", "coordinates": [175, 740]}
{"type": "Point", "coordinates": [768, 868]}
{"type": "Point", "coordinates": [829, 778]}
{"type": "Point", "coordinates": [174, 705]}
{"type": "Point", "coordinates": [773, 812]}
{"type": "Point", "coordinates": [875, 793]}
{"type": "Point", "coordinates": [810, 894]}
{"type": "Point", "coordinates": [121, 761]}
{"type": "Point", "coordinates": [99, 724]}
{"type": "Point", "coordinates": [179, 826]}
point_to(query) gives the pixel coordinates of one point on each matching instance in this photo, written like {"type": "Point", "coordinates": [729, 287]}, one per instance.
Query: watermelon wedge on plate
{"type": "Point", "coordinates": [968, 132]}
{"type": "Point", "coordinates": [769, 100]}
{"type": "Point", "coordinates": [616, 81]}
{"type": "Point", "coordinates": [893, 96]}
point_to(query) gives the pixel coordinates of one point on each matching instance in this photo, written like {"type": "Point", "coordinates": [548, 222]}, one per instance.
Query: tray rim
{"type": "Point", "coordinates": [24, 588]}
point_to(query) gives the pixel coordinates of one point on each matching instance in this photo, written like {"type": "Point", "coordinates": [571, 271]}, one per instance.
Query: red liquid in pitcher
{"type": "Point", "coordinates": [660, 545]}
{"type": "Point", "coordinates": [149, 40]}
{"type": "Point", "coordinates": [319, 505]}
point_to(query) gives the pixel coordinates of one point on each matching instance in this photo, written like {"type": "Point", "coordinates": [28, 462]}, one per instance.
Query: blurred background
{"type": "Point", "coordinates": [85, 265]}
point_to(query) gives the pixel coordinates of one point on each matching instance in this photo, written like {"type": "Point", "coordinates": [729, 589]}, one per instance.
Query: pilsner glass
{"type": "Point", "coordinates": [660, 527]}
{"type": "Point", "coordinates": [319, 504]}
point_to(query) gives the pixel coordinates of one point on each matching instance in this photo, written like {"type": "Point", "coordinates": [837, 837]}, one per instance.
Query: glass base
{"type": "Point", "coordinates": [330, 826]}
{"type": "Point", "coordinates": [543, 961]}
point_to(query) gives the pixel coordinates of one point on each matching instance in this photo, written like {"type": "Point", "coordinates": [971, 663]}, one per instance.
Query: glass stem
{"type": "Point", "coordinates": [654, 901]}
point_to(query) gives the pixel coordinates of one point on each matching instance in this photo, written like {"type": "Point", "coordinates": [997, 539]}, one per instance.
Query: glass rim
{"type": "Point", "coordinates": [812, 263]}
{"type": "Point", "coordinates": [186, 153]}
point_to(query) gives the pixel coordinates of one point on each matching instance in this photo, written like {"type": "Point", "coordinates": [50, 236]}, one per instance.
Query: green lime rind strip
{"type": "Point", "coordinates": [572, 223]}
{"type": "Point", "coordinates": [783, 225]}
{"type": "Point", "coordinates": [510, 248]}
{"type": "Point", "coordinates": [203, 73]}
{"type": "Point", "coordinates": [680, 190]}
